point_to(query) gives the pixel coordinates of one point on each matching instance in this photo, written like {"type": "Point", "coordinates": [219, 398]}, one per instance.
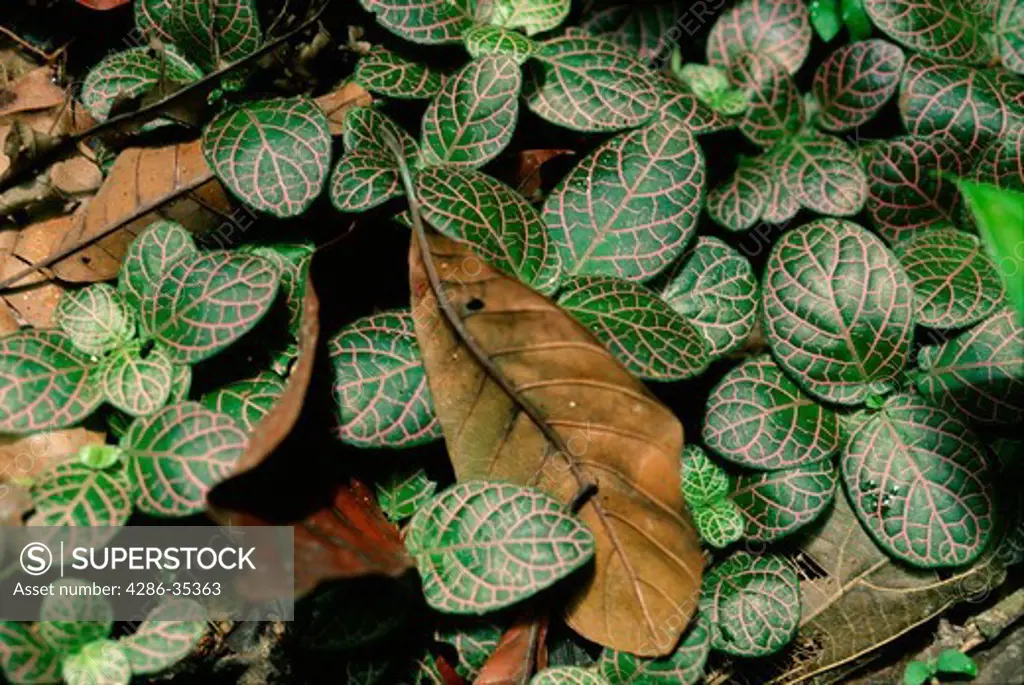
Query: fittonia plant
{"type": "Point", "coordinates": [133, 346]}
{"type": "Point", "coordinates": [72, 641]}
{"type": "Point", "coordinates": [852, 355]}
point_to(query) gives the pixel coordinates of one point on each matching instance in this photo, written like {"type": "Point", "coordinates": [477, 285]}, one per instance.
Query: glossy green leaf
{"type": "Point", "coordinates": [838, 310]}
{"type": "Point", "coordinates": [379, 383]}
{"type": "Point", "coordinates": [363, 180]}
{"type": "Point", "coordinates": [680, 103]}
{"type": "Point", "coordinates": [776, 109]}
{"type": "Point", "coordinates": [568, 675]}
{"type": "Point", "coordinates": [946, 99]}
{"type": "Point", "coordinates": [274, 155]}
{"type": "Point", "coordinates": [167, 636]}
{"type": "Point", "coordinates": [752, 603]}
{"type": "Point", "coordinates": [178, 454]}
{"type": "Point", "coordinates": [954, 662]}
{"type": "Point", "coordinates": [503, 228]}
{"type": "Point", "coordinates": [149, 257]}
{"type": "Point", "coordinates": [822, 174]}
{"type": "Point", "coordinates": [684, 666]}
{"type": "Point", "coordinates": [716, 290]}
{"type": "Point", "coordinates": [532, 16]}
{"type": "Point", "coordinates": [181, 382]}
{"type": "Point", "coordinates": [758, 418]}
{"type": "Point", "coordinates": [780, 29]}
{"type": "Point", "coordinates": [702, 480]}
{"type": "Point", "coordinates": [366, 130]}
{"type": "Point", "coordinates": [403, 491]}
{"type": "Point", "coordinates": [955, 283]}
{"type": "Point", "coordinates": [1009, 34]}
{"type": "Point", "coordinates": [102, 662]}
{"type": "Point", "coordinates": [390, 74]}
{"type": "Point", "coordinates": [96, 318]}
{"type": "Point", "coordinates": [247, 401]}
{"type": "Point", "coordinates": [999, 215]}
{"type": "Point", "coordinates": [979, 375]}
{"type": "Point", "coordinates": [205, 302]}
{"type": "Point", "coordinates": [711, 85]}
{"type": "Point", "coordinates": [473, 116]}
{"type": "Point", "coordinates": [825, 19]}
{"type": "Point", "coordinates": [137, 382]}
{"type": "Point", "coordinates": [629, 209]}
{"type": "Point", "coordinates": [73, 494]}
{"type": "Point", "coordinates": [718, 524]}
{"type": "Point", "coordinates": [949, 30]}
{"type": "Point", "coordinates": [640, 329]}
{"type": "Point", "coordinates": [855, 82]}
{"type": "Point", "coordinates": [483, 40]}
{"type": "Point", "coordinates": [25, 658]}
{"type": "Point", "coordinates": [858, 23]}
{"type": "Point", "coordinates": [740, 202]}
{"type": "Point", "coordinates": [481, 546]}
{"type": "Point", "coordinates": [215, 33]}
{"type": "Point", "coordinates": [424, 21]}
{"type": "Point", "coordinates": [45, 382]}
{"type": "Point", "coordinates": [1001, 164]}
{"type": "Point", "coordinates": [917, 673]}
{"type": "Point", "coordinates": [69, 621]}
{"type": "Point", "coordinates": [918, 479]}
{"type": "Point", "coordinates": [905, 193]}
{"type": "Point", "coordinates": [775, 504]}
{"type": "Point", "coordinates": [589, 84]}
{"type": "Point", "coordinates": [129, 74]}
{"type": "Point", "coordinates": [474, 641]}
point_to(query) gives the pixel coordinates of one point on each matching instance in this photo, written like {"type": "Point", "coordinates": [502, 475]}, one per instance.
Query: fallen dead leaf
{"type": "Point", "coordinates": [144, 185]}
{"type": "Point", "coordinates": [336, 103]}
{"type": "Point", "coordinates": [76, 176]}
{"type": "Point", "coordinates": [526, 394]}
{"type": "Point", "coordinates": [102, 4]}
{"type": "Point", "coordinates": [33, 300]}
{"type": "Point", "coordinates": [35, 90]}
{"type": "Point", "coordinates": [516, 657]}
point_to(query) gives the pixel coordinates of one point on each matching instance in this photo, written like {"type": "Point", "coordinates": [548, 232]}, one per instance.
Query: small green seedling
{"type": "Point", "coordinates": [950, 662]}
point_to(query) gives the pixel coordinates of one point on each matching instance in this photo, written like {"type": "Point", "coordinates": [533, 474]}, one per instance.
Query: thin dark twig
{"type": "Point", "coordinates": [115, 122]}
{"type": "Point", "coordinates": [139, 212]}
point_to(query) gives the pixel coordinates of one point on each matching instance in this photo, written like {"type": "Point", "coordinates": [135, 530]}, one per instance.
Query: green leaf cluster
{"type": "Point", "coordinates": [72, 640]}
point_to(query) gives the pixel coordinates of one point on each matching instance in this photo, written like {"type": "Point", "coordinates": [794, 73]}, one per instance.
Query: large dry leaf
{"type": "Point", "coordinates": [862, 601]}
{"type": "Point", "coordinates": [592, 423]}
{"type": "Point", "coordinates": [145, 184]}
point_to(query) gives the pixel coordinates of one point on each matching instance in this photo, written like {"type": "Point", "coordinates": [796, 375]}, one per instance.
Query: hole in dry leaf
{"type": "Point", "coordinates": [475, 305]}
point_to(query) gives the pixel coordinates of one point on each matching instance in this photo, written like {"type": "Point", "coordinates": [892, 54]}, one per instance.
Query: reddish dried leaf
{"type": "Point", "coordinates": [144, 185]}
{"type": "Point", "coordinates": [102, 4]}
{"type": "Point", "coordinates": [515, 658]}
{"type": "Point", "coordinates": [447, 671]}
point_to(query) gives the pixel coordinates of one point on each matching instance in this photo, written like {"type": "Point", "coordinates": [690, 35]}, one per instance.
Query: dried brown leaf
{"type": "Point", "coordinates": [540, 402]}
{"type": "Point", "coordinates": [144, 185]}
{"type": "Point", "coordinates": [35, 90]}
{"type": "Point", "coordinates": [336, 103]}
